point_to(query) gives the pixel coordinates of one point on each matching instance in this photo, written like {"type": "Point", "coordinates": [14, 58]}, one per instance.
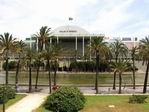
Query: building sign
{"type": "Point", "coordinates": [126, 39]}
{"type": "Point", "coordinates": [65, 31]}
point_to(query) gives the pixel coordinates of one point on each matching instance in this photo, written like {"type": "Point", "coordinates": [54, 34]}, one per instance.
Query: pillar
{"type": "Point", "coordinates": [83, 47]}
{"type": "Point", "coordinates": [37, 45]}
{"type": "Point", "coordinates": [44, 46]}
{"type": "Point", "coordinates": [50, 40]}
{"type": "Point", "coordinates": [30, 43]}
{"type": "Point", "coordinates": [57, 40]}
{"type": "Point", "coordinates": [90, 50]}
{"type": "Point", "coordinates": [76, 45]}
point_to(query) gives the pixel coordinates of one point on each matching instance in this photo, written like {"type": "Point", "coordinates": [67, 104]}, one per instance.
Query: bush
{"type": "Point", "coordinates": [137, 99]}
{"type": "Point", "coordinates": [11, 65]}
{"type": "Point", "coordinates": [65, 99]}
{"type": "Point", "coordinates": [6, 93]}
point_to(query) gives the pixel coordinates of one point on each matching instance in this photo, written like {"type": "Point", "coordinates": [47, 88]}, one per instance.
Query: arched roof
{"type": "Point", "coordinates": [69, 30]}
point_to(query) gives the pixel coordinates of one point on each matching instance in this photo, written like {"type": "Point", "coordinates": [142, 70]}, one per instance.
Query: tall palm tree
{"type": "Point", "coordinates": [7, 43]}
{"type": "Point", "coordinates": [134, 52]}
{"type": "Point", "coordinates": [144, 54]}
{"type": "Point", "coordinates": [47, 55]}
{"type": "Point", "coordinates": [29, 56]}
{"type": "Point", "coordinates": [118, 50]}
{"type": "Point", "coordinates": [56, 53]}
{"type": "Point", "coordinates": [37, 57]}
{"type": "Point", "coordinates": [43, 37]}
{"type": "Point", "coordinates": [100, 49]}
{"type": "Point", "coordinates": [19, 49]}
{"type": "Point", "coordinates": [119, 68]}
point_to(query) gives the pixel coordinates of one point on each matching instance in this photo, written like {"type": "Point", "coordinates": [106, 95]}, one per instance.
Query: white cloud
{"type": "Point", "coordinates": [24, 17]}
{"type": "Point", "coordinates": [110, 18]}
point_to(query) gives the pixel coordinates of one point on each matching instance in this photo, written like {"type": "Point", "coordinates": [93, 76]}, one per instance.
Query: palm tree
{"type": "Point", "coordinates": [38, 56]}
{"type": "Point", "coordinates": [7, 43]}
{"type": "Point", "coordinates": [47, 55]}
{"type": "Point", "coordinates": [118, 50]}
{"type": "Point", "coordinates": [56, 53]}
{"type": "Point", "coordinates": [144, 54]}
{"type": "Point", "coordinates": [134, 51]}
{"type": "Point", "coordinates": [29, 56]}
{"type": "Point", "coordinates": [100, 49]}
{"type": "Point", "coordinates": [119, 68]}
{"type": "Point", "coordinates": [19, 49]}
{"type": "Point", "coordinates": [43, 37]}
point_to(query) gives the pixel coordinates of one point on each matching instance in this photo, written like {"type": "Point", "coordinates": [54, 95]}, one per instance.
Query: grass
{"type": "Point", "coordinates": [12, 101]}
{"type": "Point", "coordinates": [101, 104]}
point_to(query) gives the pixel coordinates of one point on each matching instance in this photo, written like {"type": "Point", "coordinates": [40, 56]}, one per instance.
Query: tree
{"type": "Point", "coordinates": [47, 55]}
{"type": "Point", "coordinates": [29, 57]}
{"type": "Point", "coordinates": [43, 37]}
{"type": "Point", "coordinates": [19, 49]}
{"type": "Point", "coordinates": [119, 68]}
{"type": "Point", "coordinates": [56, 53]}
{"type": "Point", "coordinates": [37, 57]}
{"type": "Point", "coordinates": [134, 51]}
{"type": "Point", "coordinates": [7, 43]}
{"type": "Point", "coordinates": [118, 50]}
{"type": "Point", "coordinates": [100, 49]}
{"type": "Point", "coordinates": [144, 54]}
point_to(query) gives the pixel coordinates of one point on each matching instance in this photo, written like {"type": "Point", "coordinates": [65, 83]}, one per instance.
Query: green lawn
{"type": "Point", "coordinates": [101, 104]}
{"type": "Point", "coordinates": [12, 101]}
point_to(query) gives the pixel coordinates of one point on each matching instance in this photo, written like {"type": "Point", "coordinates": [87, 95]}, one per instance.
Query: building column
{"type": "Point", "coordinates": [76, 46]}
{"type": "Point", "coordinates": [37, 45]}
{"type": "Point", "coordinates": [50, 40]}
{"type": "Point", "coordinates": [90, 50]}
{"type": "Point", "coordinates": [30, 44]}
{"type": "Point", "coordinates": [83, 47]}
{"type": "Point", "coordinates": [57, 40]}
{"type": "Point", "coordinates": [44, 46]}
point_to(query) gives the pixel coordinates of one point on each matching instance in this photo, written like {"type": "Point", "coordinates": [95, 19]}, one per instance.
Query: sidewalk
{"type": "Point", "coordinates": [29, 103]}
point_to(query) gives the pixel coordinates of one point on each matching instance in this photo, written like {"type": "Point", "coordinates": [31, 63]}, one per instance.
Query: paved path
{"type": "Point", "coordinates": [29, 103]}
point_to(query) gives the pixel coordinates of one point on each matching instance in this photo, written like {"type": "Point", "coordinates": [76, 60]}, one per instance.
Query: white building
{"type": "Point", "coordinates": [74, 38]}
{"type": "Point", "coordinates": [71, 38]}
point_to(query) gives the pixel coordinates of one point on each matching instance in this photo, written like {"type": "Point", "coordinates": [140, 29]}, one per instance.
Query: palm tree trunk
{"type": "Point", "coordinates": [97, 67]}
{"type": "Point", "coordinates": [114, 78]}
{"type": "Point", "coordinates": [30, 76]}
{"type": "Point", "coordinates": [120, 83]}
{"type": "Point", "coordinates": [146, 78]}
{"type": "Point", "coordinates": [37, 75]}
{"type": "Point", "coordinates": [55, 70]}
{"type": "Point", "coordinates": [134, 75]}
{"type": "Point", "coordinates": [17, 72]}
{"type": "Point", "coordinates": [49, 70]}
{"type": "Point", "coordinates": [114, 81]}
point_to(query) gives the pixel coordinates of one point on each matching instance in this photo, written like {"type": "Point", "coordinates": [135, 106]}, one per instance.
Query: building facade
{"type": "Point", "coordinates": [74, 38]}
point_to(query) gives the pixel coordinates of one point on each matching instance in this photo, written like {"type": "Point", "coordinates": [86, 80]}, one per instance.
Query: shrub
{"type": "Point", "coordinates": [65, 99]}
{"type": "Point", "coordinates": [137, 99]}
{"type": "Point", "coordinates": [11, 65]}
{"type": "Point", "coordinates": [6, 93]}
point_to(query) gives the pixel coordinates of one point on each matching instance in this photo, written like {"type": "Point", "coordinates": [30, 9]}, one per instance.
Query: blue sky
{"type": "Point", "coordinates": [114, 18]}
